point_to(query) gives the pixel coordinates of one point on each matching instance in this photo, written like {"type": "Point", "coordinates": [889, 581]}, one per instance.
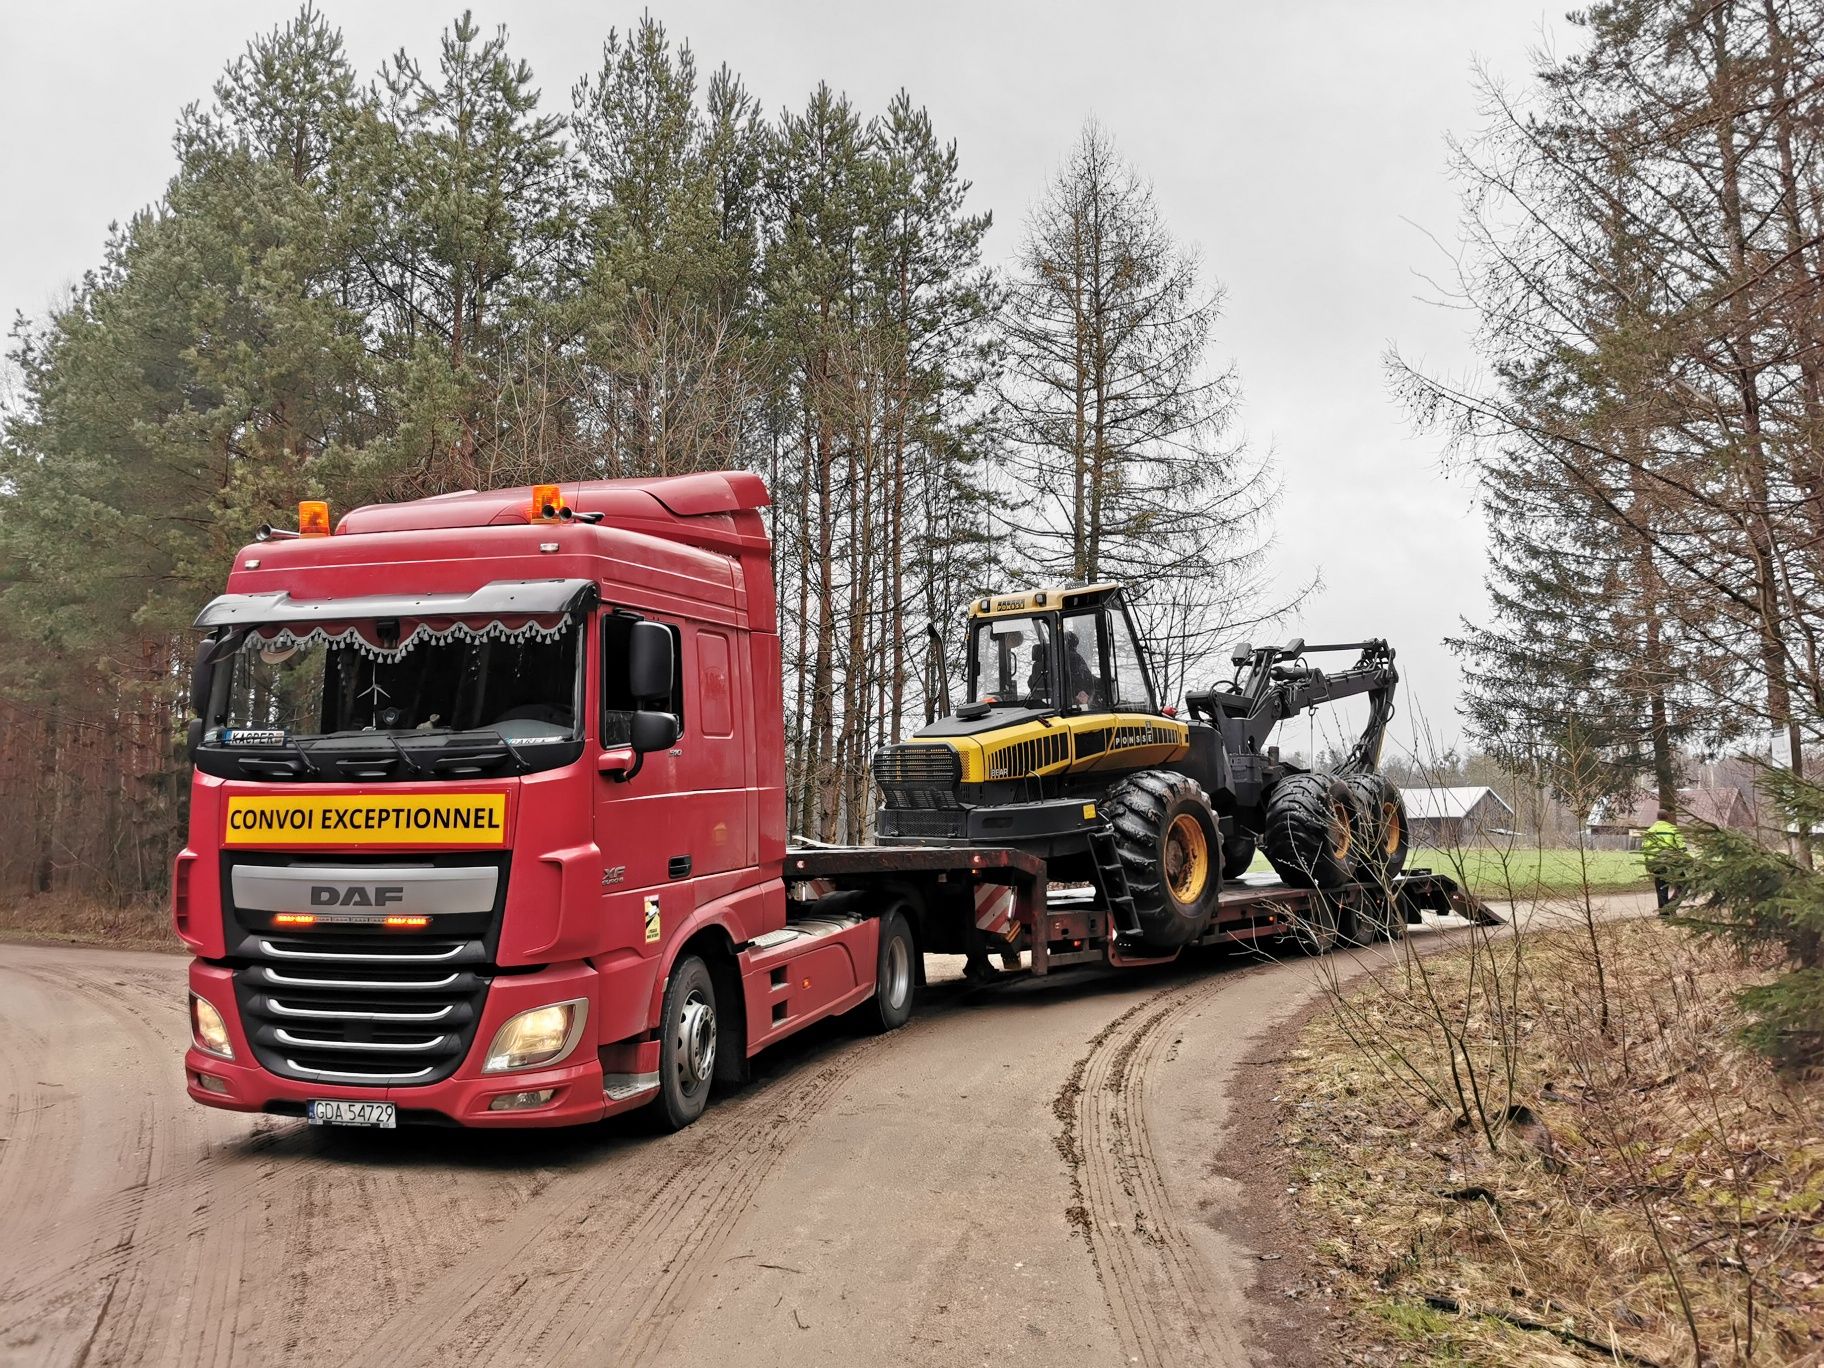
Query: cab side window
{"type": "Point", "coordinates": [1131, 690]}
{"type": "Point", "coordinates": [618, 706]}
{"type": "Point", "coordinates": [1085, 680]}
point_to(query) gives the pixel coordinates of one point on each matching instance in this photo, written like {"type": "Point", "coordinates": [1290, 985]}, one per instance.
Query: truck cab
{"type": "Point", "coordinates": [487, 819]}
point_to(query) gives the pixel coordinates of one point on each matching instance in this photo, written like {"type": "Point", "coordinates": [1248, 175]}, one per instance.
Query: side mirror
{"type": "Point", "coordinates": [195, 735]}
{"type": "Point", "coordinates": [654, 731]}
{"type": "Point", "coordinates": [1241, 653]}
{"type": "Point", "coordinates": [651, 664]}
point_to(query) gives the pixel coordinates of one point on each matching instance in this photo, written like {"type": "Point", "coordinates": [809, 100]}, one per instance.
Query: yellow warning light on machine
{"type": "Point", "coordinates": [547, 502]}
{"type": "Point", "coordinates": [313, 518]}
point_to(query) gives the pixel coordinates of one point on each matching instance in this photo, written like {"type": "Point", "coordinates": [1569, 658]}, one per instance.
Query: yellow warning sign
{"type": "Point", "coordinates": [652, 920]}
{"type": "Point", "coordinates": [468, 819]}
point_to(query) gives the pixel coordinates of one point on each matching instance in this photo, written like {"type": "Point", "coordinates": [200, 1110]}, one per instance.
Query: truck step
{"type": "Point", "coordinates": [1111, 878]}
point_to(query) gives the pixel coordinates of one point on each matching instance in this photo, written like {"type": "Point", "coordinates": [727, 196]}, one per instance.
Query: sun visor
{"type": "Point", "coordinates": [502, 599]}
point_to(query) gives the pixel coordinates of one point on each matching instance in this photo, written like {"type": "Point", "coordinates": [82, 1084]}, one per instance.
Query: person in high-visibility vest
{"type": "Point", "coordinates": [1660, 840]}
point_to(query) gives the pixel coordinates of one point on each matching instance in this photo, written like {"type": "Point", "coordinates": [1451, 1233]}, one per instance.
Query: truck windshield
{"type": "Point", "coordinates": [520, 682]}
{"type": "Point", "coordinates": [1011, 662]}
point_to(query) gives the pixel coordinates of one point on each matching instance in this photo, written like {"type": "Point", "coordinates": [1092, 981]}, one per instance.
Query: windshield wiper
{"type": "Point", "coordinates": [409, 760]}
{"type": "Point", "coordinates": [291, 744]}
{"type": "Point", "coordinates": [512, 750]}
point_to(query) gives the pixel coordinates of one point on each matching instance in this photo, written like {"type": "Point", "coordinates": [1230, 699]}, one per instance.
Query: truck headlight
{"type": "Point", "coordinates": [208, 1029]}
{"type": "Point", "coordinates": [543, 1035]}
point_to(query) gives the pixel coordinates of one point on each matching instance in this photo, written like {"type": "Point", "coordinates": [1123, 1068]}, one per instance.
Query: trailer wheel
{"type": "Point", "coordinates": [1372, 916]}
{"type": "Point", "coordinates": [1319, 928]}
{"type": "Point", "coordinates": [895, 974]}
{"type": "Point", "coordinates": [1237, 857]}
{"type": "Point", "coordinates": [687, 1044]}
{"type": "Point", "coordinates": [1381, 835]}
{"type": "Point", "coordinates": [1171, 850]}
{"type": "Point", "coordinates": [1310, 827]}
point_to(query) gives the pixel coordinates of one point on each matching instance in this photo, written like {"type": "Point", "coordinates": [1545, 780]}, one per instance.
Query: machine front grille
{"type": "Point", "coordinates": [917, 765]}
{"type": "Point", "coordinates": [916, 776]}
{"type": "Point", "coordinates": [922, 823]}
{"type": "Point", "coordinates": [362, 1010]}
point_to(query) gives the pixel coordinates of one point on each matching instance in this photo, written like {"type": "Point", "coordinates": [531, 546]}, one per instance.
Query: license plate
{"type": "Point", "coordinates": [340, 1113]}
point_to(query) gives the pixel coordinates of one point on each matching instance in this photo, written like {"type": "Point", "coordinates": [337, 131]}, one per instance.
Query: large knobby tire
{"type": "Point", "coordinates": [1310, 828]}
{"type": "Point", "coordinates": [895, 975]}
{"type": "Point", "coordinates": [687, 1044]}
{"type": "Point", "coordinates": [1171, 848]}
{"type": "Point", "coordinates": [1237, 857]}
{"type": "Point", "coordinates": [1381, 834]}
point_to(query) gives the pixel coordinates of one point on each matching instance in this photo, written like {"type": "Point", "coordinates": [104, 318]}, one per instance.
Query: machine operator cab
{"type": "Point", "coordinates": [1071, 651]}
{"type": "Point", "coordinates": [1059, 702]}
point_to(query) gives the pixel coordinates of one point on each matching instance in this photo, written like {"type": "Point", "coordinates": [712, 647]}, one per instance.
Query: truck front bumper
{"type": "Point", "coordinates": [467, 1098]}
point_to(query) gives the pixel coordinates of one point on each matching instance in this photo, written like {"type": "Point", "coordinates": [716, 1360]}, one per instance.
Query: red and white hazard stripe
{"type": "Point", "coordinates": [994, 910]}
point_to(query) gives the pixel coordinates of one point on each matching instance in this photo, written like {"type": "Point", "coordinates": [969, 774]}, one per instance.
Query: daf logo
{"type": "Point", "coordinates": [355, 895]}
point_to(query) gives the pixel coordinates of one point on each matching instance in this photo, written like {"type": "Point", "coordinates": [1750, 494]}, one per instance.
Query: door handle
{"type": "Point", "coordinates": [679, 868]}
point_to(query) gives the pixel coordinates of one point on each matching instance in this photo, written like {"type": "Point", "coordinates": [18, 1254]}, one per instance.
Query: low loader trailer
{"type": "Point", "coordinates": [488, 826]}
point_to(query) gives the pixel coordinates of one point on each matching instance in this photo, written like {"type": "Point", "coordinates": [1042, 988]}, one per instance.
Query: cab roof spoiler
{"type": "Point", "coordinates": [500, 598]}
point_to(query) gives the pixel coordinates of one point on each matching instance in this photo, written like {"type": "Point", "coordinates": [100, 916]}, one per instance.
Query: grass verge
{"type": "Point", "coordinates": [86, 921]}
{"type": "Point", "coordinates": [1491, 872]}
{"type": "Point", "coordinates": [1554, 1149]}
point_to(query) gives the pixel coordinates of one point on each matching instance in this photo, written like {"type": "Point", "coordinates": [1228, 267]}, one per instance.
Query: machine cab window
{"type": "Point", "coordinates": [1085, 675]}
{"type": "Point", "coordinates": [1071, 649]}
{"type": "Point", "coordinates": [1131, 687]}
{"type": "Point", "coordinates": [1010, 662]}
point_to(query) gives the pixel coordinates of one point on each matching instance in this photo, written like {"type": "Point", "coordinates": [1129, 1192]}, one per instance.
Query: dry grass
{"type": "Point", "coordinates": [69, 917]}
{"type": "Point", "coordinates": [1653, 1188]}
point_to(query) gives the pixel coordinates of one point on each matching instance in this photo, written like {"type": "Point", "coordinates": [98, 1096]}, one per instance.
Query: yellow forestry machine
{"type": "Point", "coordinates": [1064, 751]}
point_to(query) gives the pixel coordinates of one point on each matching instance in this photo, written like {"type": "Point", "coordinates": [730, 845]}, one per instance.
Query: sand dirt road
{"type": "Point", "coordinates": [1044, 1173]}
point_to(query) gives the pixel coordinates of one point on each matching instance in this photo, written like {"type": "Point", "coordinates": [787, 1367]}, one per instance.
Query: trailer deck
{"type": "Point", "coordinates": [1065, 926]}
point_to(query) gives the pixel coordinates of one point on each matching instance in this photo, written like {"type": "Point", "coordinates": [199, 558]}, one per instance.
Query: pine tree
{"type": "Point", "coordinates": [474, 219]}
{"type": "Point", "coordinates": [663, 308]}
{"type": "Point", "coordinates": [1122, 428]}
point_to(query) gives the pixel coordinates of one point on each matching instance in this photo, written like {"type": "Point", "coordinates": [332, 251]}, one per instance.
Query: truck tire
{"type": "Point", "coordinates": [1171, 850]}
{"type": "Point", "coordinates": [1381, 836]}
{"type": "Point", "coordinates": [1237, 857]}
{"type": "Point", "coordinates": [687, 1044]}
{"type": "Point", "coordinates": [895, 974]}
{"type": "Point", "coordinates": [1310, 827]}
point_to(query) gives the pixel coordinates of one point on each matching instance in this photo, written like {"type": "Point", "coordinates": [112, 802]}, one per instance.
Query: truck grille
{"type": "Point", "coordinates": [362, 1010]}
{"type": "Point", "coordinates": [918, 776]}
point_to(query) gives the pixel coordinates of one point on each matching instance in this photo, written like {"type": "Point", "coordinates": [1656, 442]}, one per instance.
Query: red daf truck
{"type": "Point", "coordinates": [488, 824]}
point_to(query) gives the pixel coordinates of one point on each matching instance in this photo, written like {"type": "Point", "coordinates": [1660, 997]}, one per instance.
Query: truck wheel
{"type": "Point", "coordinates": [687, 1044]}
{"type": "Point", "coordinates": [1237, 857]}
{"type": "Point", "coordinates": [1310, 827]}
{"type": "Point", "coordinates": [1171, 849]}
{"type": "Point", "coordinates": [1381, 836]}
{"type": "Point", "coordinates": [895, 974]}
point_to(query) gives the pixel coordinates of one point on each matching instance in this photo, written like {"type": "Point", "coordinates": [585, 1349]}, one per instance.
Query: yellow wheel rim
{"type": "Point", "coordinates": [1340, 835]}
{"type": "Point", "coordinates": [1187, 858]}
{"type": "Point", "coordinates": [1392, 826]}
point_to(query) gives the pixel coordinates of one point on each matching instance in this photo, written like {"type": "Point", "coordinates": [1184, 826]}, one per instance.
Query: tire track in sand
{"type": "Point", "coordinates": [1150, 1273]}
{"type": "Point", "coordinates": [582, 1275]}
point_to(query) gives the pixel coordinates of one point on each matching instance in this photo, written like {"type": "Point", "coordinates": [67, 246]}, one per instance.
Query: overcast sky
{"type": "Point", "coordinates": [1299, 146]}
